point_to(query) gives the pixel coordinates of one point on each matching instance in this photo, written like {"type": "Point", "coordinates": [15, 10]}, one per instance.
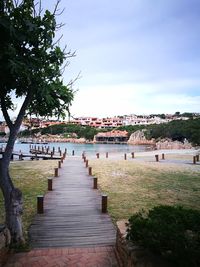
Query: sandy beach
{"type": "Point", "coordinates": [174, 154]}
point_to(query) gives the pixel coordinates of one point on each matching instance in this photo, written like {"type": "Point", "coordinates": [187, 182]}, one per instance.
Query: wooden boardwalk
{"type": "Point", "coordinates": [72, 212]}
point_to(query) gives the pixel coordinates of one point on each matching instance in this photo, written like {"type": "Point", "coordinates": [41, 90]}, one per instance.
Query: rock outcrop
{"type": "Point", "coordinates": [138, 138]}
{"type": "Point", "coordinates": [169, 144]}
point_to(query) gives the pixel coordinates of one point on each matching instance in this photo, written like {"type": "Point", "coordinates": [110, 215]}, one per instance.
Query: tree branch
{"type": "Point", "coordinates": [59, 26]}
{"type": "Point", "coordinates": [5, 113]}
{"type": "Point", "coordinates": [16, 3]}
{"type": "Point", "coordinates": [57, 41]}
{"type": "Point", "coordinates": [56, 7]}
{"type": "Point", "coordinates": [23, 110]}
{"type": "Point", "coordinates": [71, 82]}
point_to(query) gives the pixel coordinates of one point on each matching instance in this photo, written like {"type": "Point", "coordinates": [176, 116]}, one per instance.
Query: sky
{"type": "Point", "coordinates": [134, 56]}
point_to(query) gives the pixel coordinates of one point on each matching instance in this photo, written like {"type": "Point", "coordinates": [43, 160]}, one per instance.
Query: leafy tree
{"type": "Point", "coordinates": [177, 113]}
{"type": "Point", "coordinates": [30, 68]}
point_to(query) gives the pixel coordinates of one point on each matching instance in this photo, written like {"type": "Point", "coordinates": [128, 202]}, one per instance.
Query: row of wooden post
{"type": "Point", "coordinates": [43, 149]}
{"type": "Point", "coordinates": [40, 198]}
{"type": "Point", "coordinates": [125, 157]}
{"type": "Point", "coordinates": [132, 155]}
{"type": "Point", "coordinates": [95, 180]}
{"type": "Point", "coordinates": [195, 159]}
{"type": "Point", "coordinates": [104, 198]}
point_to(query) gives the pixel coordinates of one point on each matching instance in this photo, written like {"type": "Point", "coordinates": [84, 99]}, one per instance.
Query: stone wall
{"type": "Point", "coordinates": [134, 256]}
{"type": "Point", "coordinates": [4, 243]}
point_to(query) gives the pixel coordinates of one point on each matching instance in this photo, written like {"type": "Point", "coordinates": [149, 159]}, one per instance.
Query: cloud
{"type": "Point", "coordinates": [135, 56]}
{"type": "Point", "coordinates": [105, 101]}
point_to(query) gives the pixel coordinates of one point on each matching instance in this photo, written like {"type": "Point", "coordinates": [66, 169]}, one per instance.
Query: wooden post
{"type": "Point", "coordinates": [125, 156]}
{"type": "Point", "coordinates": [106, 154]}
{"type": "Point", "coordinates": [86, 163]}
{"type": "Point", "coordinates": [40, 207]}
{"type": "Point", "coordinates": [95, 180]}
{"type": "Point", "coordinates": [59, 164]}
{"type": "Point", "coordinates": [104, 203]}
{"type": "Point", "coordinates": [51, 154]}
{"type": "Point", "coordinates": [72, 152]}
{"type": "Point", "coordinates": [157, 157]}
{"type": "Point", "coordinates": [194, 159]}
{"type": "Point", "coordinates": [53, 150]}
{"type": "Point", "coordinates": [50, 182]}
{"type": "Point", "coordinates": [163, 156]}
{"type": "Point", "coordinates": [97, 155]}
{"type": "Point", "coordinates": [90, 170]}
{"type": "Point", "coordinates": [56, 172]}
{"type": "Point", "coordinates": [133, 155]}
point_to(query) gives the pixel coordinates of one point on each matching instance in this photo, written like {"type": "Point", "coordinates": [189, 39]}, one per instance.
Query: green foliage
{"type": "Point", "coordinates": [82, 131]}
{"type": "Point", "coordinates": [173, 232]}
{"type": "Point", "coordinates": [177, 130]}
{"type": "Point", "coordinates": [30, 62]}
{"type": "Point", "coordinates": [131, 128]}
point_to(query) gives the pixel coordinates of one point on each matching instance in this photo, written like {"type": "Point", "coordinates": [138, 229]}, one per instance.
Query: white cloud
{"type": "Point", "coordinates": [104, 101]}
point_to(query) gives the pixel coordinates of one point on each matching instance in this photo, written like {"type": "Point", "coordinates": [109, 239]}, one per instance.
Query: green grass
{"type": "Point", "coordinates": [130, 185]}
{"type": "Point", "coordinates": [31, 178]}
{"type": "Point", "coordinates": [135, 185]}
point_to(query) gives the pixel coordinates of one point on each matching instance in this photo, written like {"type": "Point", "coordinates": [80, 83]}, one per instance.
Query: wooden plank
{"type": "Point", "coordinates": [72, 212]}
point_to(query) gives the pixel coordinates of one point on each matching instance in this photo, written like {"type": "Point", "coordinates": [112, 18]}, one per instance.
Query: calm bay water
{"type": "Point", "coordinates": [89, 149]}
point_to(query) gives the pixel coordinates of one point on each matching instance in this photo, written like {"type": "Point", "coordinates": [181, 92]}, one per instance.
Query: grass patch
{"type": "Point", "coordinates": [135, 185]}
{"type": "Point", "coordinates": [31, 178]}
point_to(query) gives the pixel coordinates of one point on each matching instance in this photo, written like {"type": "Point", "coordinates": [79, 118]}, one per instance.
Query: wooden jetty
{"type": "Point", "coordinates": [32, 156]}
{"type": "Point", "coordinates": [72, 212]}
{"type": "Point", "coordinates": [37, 153]}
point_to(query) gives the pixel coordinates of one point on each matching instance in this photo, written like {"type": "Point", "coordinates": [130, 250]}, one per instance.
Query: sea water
{"type": "Point", "coordinates": [89, 149]}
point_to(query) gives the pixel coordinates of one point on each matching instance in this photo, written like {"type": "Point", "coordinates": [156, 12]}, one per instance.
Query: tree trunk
{"type": "Point", "coordinates": [12, 196]}
{"type": "Point", "coordinates": [13, 204]}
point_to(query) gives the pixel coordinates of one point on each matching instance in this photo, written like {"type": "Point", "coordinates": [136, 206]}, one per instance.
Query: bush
{"type": "Point", "coordinates": [173, 232]}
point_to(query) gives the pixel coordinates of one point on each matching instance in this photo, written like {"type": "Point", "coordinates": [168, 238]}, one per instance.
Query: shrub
{"type": "Point", "coordinates": [173, 232]}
